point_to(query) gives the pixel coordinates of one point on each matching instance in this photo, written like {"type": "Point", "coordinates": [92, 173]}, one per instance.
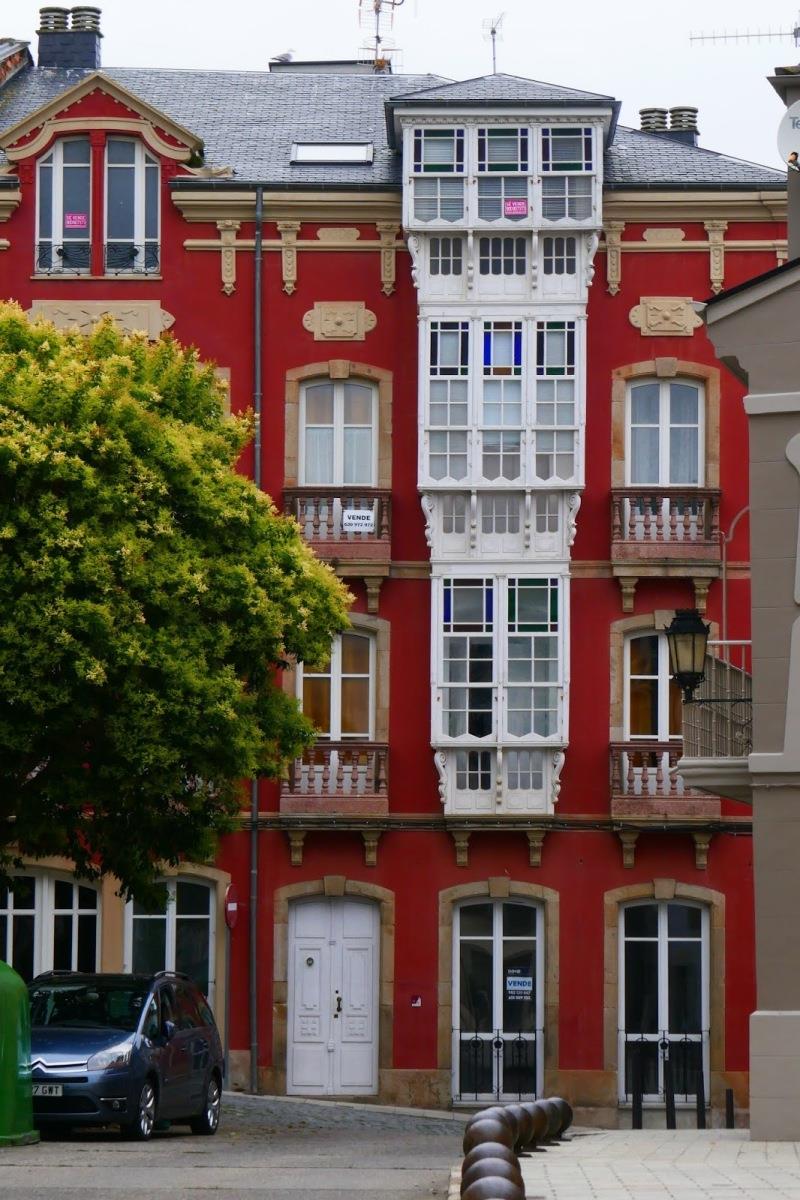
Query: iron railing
{"type": "Point", "coordinates": [127, 257]}
{"type": "Point", "coordinates": [645, 1064]}
{"type": "Point", "coordinates": [69, 257]}
{"type": "Point", "coordinates": [496, 1064]}
{"type": "Point", "coordinates": [718, 723]}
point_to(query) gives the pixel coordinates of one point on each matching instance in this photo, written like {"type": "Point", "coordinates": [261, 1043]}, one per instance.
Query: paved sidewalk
{"type": "Point", "coordinates": [664, 1165]}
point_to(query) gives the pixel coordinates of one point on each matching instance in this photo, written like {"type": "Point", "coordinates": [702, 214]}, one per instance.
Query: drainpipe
{"type": "Point", "coordinates": [254, 889]}
{"type": "Point", "coordinates": [726, 541]}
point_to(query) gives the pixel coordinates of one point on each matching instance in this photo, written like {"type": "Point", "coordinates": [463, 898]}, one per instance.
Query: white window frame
{"type": "Point", "coordinates": [663, 994]}
{"type": "Point", "coordinates": [335, 673]}
{"type": "Point", "coordinates": [663, 734]}
{"type": "Point", "coordinates": [664, 427]}
{"type": "Point", "coordinates": [332, 152]}
{"type": "Point", "coordinates": [44, 911]}
{"type": "Point", "coordinates": [338, 387]}
{"type": "Point", "coordinates": [56, 152]}
{"type": "Point", "coordinates": [497, 993]}
{"type": "Point", "coordinates": [171, 921]}
{"type": "Point", "coordinates": [142, 159]}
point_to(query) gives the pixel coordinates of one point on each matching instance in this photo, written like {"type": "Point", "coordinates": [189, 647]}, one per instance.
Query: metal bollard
{"type": "Point", "coordinates": [669, 1094]}
{"type": "Point", "coordinates": [701, 1101]}
{"type": "Point", "coordinates": [729, 1108]}
{"type": "Point", "coordinates": [638, 1088]}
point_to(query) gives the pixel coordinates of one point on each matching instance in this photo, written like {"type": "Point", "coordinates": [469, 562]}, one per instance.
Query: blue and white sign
{"type": "Point", "coordinates": [519, 987]}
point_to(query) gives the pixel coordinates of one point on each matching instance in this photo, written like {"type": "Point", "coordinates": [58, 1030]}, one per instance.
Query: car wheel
{"type": "Point", "coordinates": [141, 1129]}
{"type": "Point", "coordinates": [208, 1121]}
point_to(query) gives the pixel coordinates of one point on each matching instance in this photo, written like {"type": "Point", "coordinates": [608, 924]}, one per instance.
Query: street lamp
{"type": "Point", "coordinates": [687, 637]}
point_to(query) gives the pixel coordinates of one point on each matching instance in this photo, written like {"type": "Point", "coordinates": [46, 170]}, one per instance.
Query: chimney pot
{"type": "Point", "coordinates": [683, 117]}
{"type": "Point", "coordinates": [53, 20]}
{"type": "Point", "coordinates": [86, 18]}
{"type": "Point", "coordinates": [653, 120]}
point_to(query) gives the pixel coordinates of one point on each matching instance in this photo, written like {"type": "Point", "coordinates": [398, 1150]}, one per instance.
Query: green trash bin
{"type": "Point", "coordinates": [16, 1106]}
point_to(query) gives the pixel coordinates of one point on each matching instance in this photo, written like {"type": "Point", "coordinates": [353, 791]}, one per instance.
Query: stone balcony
{"type": "Point", "coordinates": [667, 532]}
{"type": "Point", "coordinates": [645, 786]}
{"type": "Point", "coordinates": [338, 778]}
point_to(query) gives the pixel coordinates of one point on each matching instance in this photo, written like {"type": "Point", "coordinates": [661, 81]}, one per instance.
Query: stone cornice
{"type": "Point", "coordinates": [657, 206]}
{"type": "Point", "coordinates": [9, 201]}
{"type": "Point", "coordinates": [239, 204]}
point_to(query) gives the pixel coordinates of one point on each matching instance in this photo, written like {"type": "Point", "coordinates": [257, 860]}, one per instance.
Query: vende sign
{"type": "Point", "coordinates": [515, 208]}
{"type": "Point", "coordinates": [358, 520]}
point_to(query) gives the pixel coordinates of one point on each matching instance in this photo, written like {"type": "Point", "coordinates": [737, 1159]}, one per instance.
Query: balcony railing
{"type": "Point", "coordinates": [346, 777]}
{"type": "Point", "coordinates": [718, 724]}
{"type": "Point", "coordinates": [125, 258]}
{"type": "Point", "coordinates": [643, 781]}
{"type": "Point", "coordinates": [70, 257]}
{"type": "Point", "coordinates": [670, 522]}
{"type": "Point", "coordinates": [343, 522]}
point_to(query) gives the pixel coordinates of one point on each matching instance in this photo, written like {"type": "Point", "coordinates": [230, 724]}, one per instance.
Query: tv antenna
{"type": "Point", "coordinates": [751, 35]}
{"type": "Point", "coordinates": [373, 16]}
{"type": "Point", "coordinates": [491, 29]}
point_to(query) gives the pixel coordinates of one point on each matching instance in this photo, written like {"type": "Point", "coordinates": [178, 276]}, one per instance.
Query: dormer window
{"type": "Point", "coordinates": [567, 149]}
{"type": "Point", "coordinates": [132, 178]}
{"type": "Point", "coordinates": [64, 222]}
{"type": "Point", "coordinates": [503, 150]}
{"type": "Point", "coordinates": [439, 151]}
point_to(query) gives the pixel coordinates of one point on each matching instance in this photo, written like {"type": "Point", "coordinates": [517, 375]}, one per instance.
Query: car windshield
{"type": "Point", "coordinates": [93, 1004]}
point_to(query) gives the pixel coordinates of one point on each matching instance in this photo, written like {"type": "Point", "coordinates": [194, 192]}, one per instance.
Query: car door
{"type": "Point", "coordinates": [176, 1060]}
{"type": "Point", "coordinates": [198, 1045]}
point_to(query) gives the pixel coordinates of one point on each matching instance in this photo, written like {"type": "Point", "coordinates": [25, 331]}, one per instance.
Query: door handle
{"type": "Point", "coordinates": [338, 1005]}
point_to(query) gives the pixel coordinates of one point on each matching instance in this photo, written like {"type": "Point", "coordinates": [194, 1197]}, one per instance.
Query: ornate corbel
{"type": "Point", "coordinates": [629, 838]}
{"type": "Point", "coordinates": [227, 237]}
{"type": "Point", "coordinates": [627, 585]}
{"type": "Point", "coordinates": [716, 252]}
{"type": "Point", "coordinates": [461, 842]}
{"type": "Point", "coordinates": [428, 502]}
{"type": "Point", "coordinates": [371, 837]}
{"type": "Point", "coordinates": [440, 761]}
{"type": "Point", "coordinates": [592, 242]}
{"type": "Point", "coordinates": [535, 842]}
{"type": "Point", "coordinates": [701, 587]}
{"type": "Point", "coordinates": [573, 504]}
{"type": "Point", "coordinates": [555, 783]}
{"type": "Point", "coordinates": [613, 231]}
{"type": "Point", "coordinates": [415, 250]}
{"type": "Point", "coordinates": [296, 839]}
{"type": "Point", "coordinates": [373, 586]}
{"type": "Point", "coordinates": [288, 231]}
{"type": "Point", "coordinates": [702, 841]}
{"type": "Point", "coordinates": [388, 231]}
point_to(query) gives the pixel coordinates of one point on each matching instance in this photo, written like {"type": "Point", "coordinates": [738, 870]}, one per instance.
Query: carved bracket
{"type": "Point", "coordinates": [373, 586]}
{"type": "Point", "coordinates": [701, 587]}
{"type": "Point", "coordinates": [613, 232]}
{"type": "Point", "coordinates": [461, 841]}
{"type": "Point", "coordinates": [702, 841]}
{"type": "Point", "coordinates": [288, 231]}
{"type": "Point", "coordinates": [665, 316]}
{"type": "Point", "coordinates": [227, 237]}
{"type": "Point", "coordinates": [535, 842]}
{"type": "Point", "coordinates": [628, 589]}
{"type": "Point", "coordinates": [296, 839]}
{"type": "Point", "coordinates": [371, 837]}
{"type": "Point", "coordinates": [716, 252]}
{"type": "Point", "coordinates": [388, 231]}
{"type": "Point", "coordinates": [339, 321]}
{"type": "Point", "coordinates": [629, 838]}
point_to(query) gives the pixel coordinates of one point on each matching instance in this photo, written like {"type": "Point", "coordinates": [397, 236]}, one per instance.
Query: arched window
{"type": "Point", "coordinates": [663, 998]}
{"type": "Point", "coordinates": [665, 433]}
{"type": "Point", "coordinates": [338, 441]}
{"type": "Point", "coordinates": [340, 697]}
{"type": "Point", "coordinates": [178, 934]}
{"type": "Point", "coordinates": [652, 698]}
{"type": "Point", "coordinates": [49, 923]}
{"type": "Point", "coordinates": [132, 209]}
{"type": "Point", "coordinates": [498, 999]}
{"type": "Point", "coordinates": [64, 215]}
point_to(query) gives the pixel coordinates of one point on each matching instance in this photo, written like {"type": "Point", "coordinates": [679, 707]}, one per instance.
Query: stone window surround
{"type": "Point", "coordinates": [338, 368]}
{"type": "Point", "coordinates": [667, 889]}
{"type": "Point", "coordinates": [330, 886]}
{"type": "Point", "coordinates": [379, 629]}
{"type": "Point", "coordinates": [664, 368]}
{"type": "Point", "coordinates": [499, 888]}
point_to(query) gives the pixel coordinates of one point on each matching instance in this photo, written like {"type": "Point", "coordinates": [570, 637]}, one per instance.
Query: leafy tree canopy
{"type": "Point", "coordinates": [148, 592]}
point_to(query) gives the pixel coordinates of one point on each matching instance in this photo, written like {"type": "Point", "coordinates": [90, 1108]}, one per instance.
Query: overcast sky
{"type": "Point", "coordinates": [627, 48]}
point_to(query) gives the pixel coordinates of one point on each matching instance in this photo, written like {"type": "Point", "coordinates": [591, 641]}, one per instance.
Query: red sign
{"type": "Point", "coordinates": [231, 906]}
{"type": "Point", "coordinates": [76, 221]}
{"type": "Point", "coordinates": [515, 208]}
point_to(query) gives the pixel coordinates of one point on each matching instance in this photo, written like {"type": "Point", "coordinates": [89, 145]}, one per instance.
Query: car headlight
{"type": "Point", "coordinates": [111, 1059]}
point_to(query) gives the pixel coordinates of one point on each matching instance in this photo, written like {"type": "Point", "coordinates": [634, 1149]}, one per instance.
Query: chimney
{"type": "Point", "coordinates": [682, 123]}
{"type": "Point", "coordinates": [69, 37]}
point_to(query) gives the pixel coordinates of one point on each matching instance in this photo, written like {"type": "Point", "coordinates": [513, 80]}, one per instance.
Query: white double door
{"type": "Point", "coordinates": [333, 998]}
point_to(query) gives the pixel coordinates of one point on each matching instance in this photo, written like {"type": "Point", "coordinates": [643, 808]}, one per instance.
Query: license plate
{"type": "Point", "coordinates": [48, 1089]}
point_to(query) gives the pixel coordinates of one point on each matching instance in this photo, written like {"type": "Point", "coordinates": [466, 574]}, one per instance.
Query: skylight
{"type": "Point", "coordinates": [332, 152]}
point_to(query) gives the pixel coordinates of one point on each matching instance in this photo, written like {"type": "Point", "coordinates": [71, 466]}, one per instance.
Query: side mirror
{"type": "Point", "coordinates": [168, 1030]}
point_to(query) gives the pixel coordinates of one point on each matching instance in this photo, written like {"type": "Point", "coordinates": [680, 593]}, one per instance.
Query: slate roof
{"type": "Point", "coordinates": [499, 88]}
{"type": "Point", "coordinates": [249, 119]}
{"type": "Point", "coordinates": [636, 159]}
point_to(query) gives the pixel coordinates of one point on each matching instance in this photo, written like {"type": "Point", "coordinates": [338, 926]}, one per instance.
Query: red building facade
{"type": "Point", "coordinates": [484, 881]}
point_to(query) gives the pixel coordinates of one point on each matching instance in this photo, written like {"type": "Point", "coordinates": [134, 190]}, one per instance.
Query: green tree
{"type": "Point", "coordinates": [148, 596]}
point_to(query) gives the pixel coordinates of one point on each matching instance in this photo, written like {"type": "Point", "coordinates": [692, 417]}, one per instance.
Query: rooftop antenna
{"type": "Point", "coordinates": [750, 35]}
{"type": "Point", "coordinates": [373, 16]}
{"type": "Point", "coordinates": [491, 29]}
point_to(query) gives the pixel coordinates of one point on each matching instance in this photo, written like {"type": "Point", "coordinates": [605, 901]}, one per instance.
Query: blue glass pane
{"type": "Point", "coordinates": [448, 605]}
{"type": "Point", "coordinates": [489, 605]}
{"type": "Point", "coordinates": [518, 348]}
{"type": "Point", "coordinates": [487, 349]}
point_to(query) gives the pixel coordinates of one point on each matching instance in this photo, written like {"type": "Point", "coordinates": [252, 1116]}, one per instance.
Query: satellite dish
{"type": "Point", "coordinates": [789, 133]}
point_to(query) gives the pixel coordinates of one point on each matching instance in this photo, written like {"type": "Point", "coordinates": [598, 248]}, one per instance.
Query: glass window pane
{"type": "Point", "coordinates": [644, 655]}
{"type": "Point", "coordinates": [476, 920]}
{"type": "Point", "coordinates": [358, 455]}
{"type": "Point", "coordinates": [355, 654]}
{"type": "Point", "coordinates": [317, 701]}
{"type": "Point", "coordinates": [684, 921]}
{"type": "Point", "coordinates": [357, 404]}
{"type": "Point", "coordinates": [87, 943]}
{"type": "Point", "coordinates": [149, 945]}
{"type": "Point", "coordinates": [642, 1058]}
{"type": "Point", "coordinates": [519, 920]}
{"type": "Point", "coordinates": [319, 404]}
{"type": "Point", "coordinates": [45, 202]}
{"type": "Point", "coordinates": [644, 455]}
{"type": "Point", "coordinates": [641, 920]}
{"type": "Point", "coordinates": [684, 408]}
{"type": "Point", "coordinates": [683, 455]}
{"type": "Point", "coordinates": [192, 899]}
{"type": "Point", "coordinates": [192, 949]}
{"type": "Point", "coordinates": [641, 987]}
{"type": "Point", "coordinates": [87, 897]}
{"type": "Point", "coordinates": [519, 987]}
{"type": "Point", "coordinates": [120, 184]}
{"type": "Point", "coordinates": [476, 1010]}
{"type": "Point", "coordinates": [76, 150]}
{"type": "Point", "coordinates": [685, 1009]}
{"type": "Point", "coordinates": [319, 456]}
{"type": "Point", "coordinates": [63, 894]}
{"type": "Point", "coordinates": [675, 710]}
{"type": "Point", "coordinates": [643, 709]}
{"type": "Point", "coordinates": [644, 404]}
{"type": "Point", "coordinates": [151, 202]}
{"type": "Point", "coordinates": [23, 892]}
{"type": "Point", "coordinates": [160, 903]}
{"type": "Point", "coordinates": [355, 707]}
{"type": "Point", "coordinates": [62, 943]}
{"type": "Point", "coordinates": [121, 150]}
{"type": "Point", "coordinates": [22, 960]}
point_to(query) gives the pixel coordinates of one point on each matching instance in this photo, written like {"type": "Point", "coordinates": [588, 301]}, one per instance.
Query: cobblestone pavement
{"type": "Point", "coordinates": [661, 1165]}
{"type": "Point", "coordinates": [265, 1148]}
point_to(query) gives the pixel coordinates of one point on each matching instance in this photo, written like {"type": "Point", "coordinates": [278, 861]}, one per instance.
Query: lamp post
{"type": "Point", "coordinates": [687, 637]}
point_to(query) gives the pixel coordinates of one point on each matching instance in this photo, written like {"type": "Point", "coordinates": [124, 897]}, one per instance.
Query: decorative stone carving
{"type": "Point", "coordinates": [415, 250]}
{"type": "Point", "coordinates": [629, 838]}
{"type": "Point", "coordinates": [339, 321]}
{"type": "Point", "coordinates": [573, 504]}
{"type": "Point", "coordinates": [389, 231]}
{"type": "Point", "coordinates": [288, 231]}
{"type": "Point", "coordinates": [702, 841]}
{"type": "Point", "coordinates": [371, 837]}
{"type": "Point", "coordinates": [663, 237]}
{"type": "Point", "coordinates": [296, 839]}
{"type": "Point", "coordinates": [132, 316]}
{"type": "Point", "coordinates": [592, 242]}
{"type": "Point", "coordinates": [428, 503]}
{"type": "Point", "coordinates": [665, 316]}
{"type": "Point", "coordinates": [535, 841]}
{"type": "Point", "coordinates": [461, 841]}
{"type": "Point", "coordinates": [227, 236]}
{"type": "Point", "coordinates": [440, 760]}
{"type": "Point", "coordinates": [555, 786]}
{"type": "Point", "coordinates": [716, 252]}
{"type": "Point", "coordinates": [338, 233]}
{"type": "Point", "coordinates": [613, 231]}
